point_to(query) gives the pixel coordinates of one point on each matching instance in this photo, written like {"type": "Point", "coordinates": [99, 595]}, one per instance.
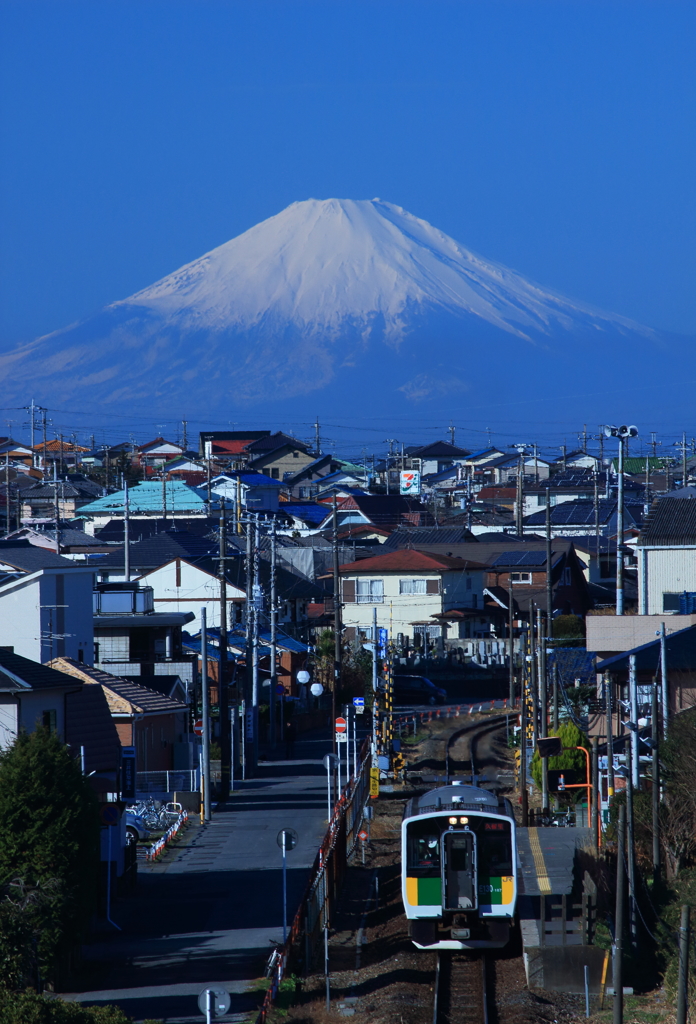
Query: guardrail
{"type": "Point", "coordinates": [326, 875]}
{"type": "Point", "coordinates": [177, 781]}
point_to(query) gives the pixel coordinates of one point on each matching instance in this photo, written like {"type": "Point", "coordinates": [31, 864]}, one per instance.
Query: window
{"type": "Point", "coordinates": [49, 720]}
{"type": "Point", "coordinates": [468, 583]}
{"type": "Point", "coordinates": [369, 591]}
{"type": "Point", "coordinates": [520, 577]}
{"type": "Point", "coordinates": [412, 587]}
{"type": "Point", "coordinates": [295, 455]}
{"type": "Point", "coordinates": [670, 602]}
{"type": "Point", "coordinates": [275, 473]}
{"type": "Point", "coordinates": [565, 579]}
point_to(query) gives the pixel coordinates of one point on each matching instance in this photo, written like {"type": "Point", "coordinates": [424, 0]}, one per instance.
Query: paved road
{"type": "Point", "coordinates": [208, 912]}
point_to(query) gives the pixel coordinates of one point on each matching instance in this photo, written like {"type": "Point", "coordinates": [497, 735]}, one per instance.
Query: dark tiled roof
{"type": "Point", "coordinates": [404, 538]}
{"type": "Point", "coordinates": [439, 449]}
{"type": "Point", "coordinates": [141, 529]}
{"type": "Point", "coordinates": [408, 560]}
{"type": "Point", "coordinates": [36, 675]}
{"type": "Point", "coordinates": [515, 558]}
{"type": "Point", "coordinates": [582, 513]}
{"type": "Point", "coordinates": [273, 441]}
{"type": "Point", "coordinates": [28, 557]}
{"type": "Point", "coordinates": [153, 551]}
{"type": "Point", "coordinates": [670, 521]}
{"type": "Point", "coordinates": [141, 697]}
{"type": "Point", "coordinates": [88, 724]}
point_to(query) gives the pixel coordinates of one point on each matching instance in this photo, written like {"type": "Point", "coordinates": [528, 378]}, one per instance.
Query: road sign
{"type": "Point", "coordinates": [374, 782]}
{"type": "Point", "coordinates": [280, 689]}
{"type": "Point", "coordinates": [198, 727]}
{"type": "Point", "coordinates": [341, 725]}
{"type": "Point", "coordinates": [291, 838]}
{"type": "Point", "coordinates": [359, 704]}
{"type": "Point", "coordinates": [220, 1001]}
{"type": "Point", "coordinates": [127, 773]}
{"type": "Point", "coordinates": [109, 814]}
{"type": "Point", "coordinates": [362, 835]}
{"type": "Point", "coordinates": [341, 737]}
{"type": "Point", "coordinates": [383, 641]}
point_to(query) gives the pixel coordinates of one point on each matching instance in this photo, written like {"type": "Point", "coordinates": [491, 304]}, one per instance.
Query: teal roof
{"type": "Point", "coordinates": [147, 497]}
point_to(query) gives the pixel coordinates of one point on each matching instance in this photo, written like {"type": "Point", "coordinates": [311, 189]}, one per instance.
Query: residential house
{"type": "Point", "coordinates": [34, 695]}
{"type": "Point", "coordinates": [506, 468]}
{"type": "Point", "coordinates": [154, 454]}
{"type": "Point", "coordinates": [67, 541]}
{"type": "Point", "coordinates": [155, 724]}
{"type": "Point", "coordinates": [170, 500]}
{"type": "Point", "coordinates": [577, 460]}
{"type": "Point", "coordinates": [435, 457]}
{"type": "Point", "coordinates": [132, 639]}
{"type": "Point", "coordinates": [278, 456]}
{"type": "Point", "coordinates": [12, 451]}
{"type": "Point", "coordinates": [607, 635]}
{"type": "Point", "coordinates": [387, 511]}
{"type": "Point", "coordinates": [45, 603]}
{"type": "Point", "coordinates": [256, 492]}
{"type": "Point", "coordinates": [229, 447]}
{"type": "Point", "coordinates": [185, 585]}
{"type": "Point", "coordinates": [156, 550]}
{"type": "Point", "coordinates": [577, 518]}
{"type": "Point", "coordinates": [666, 551]}
{"type": "Point", "coordinates": [407, 588]}
{"type": "Point", "coordinates": [59, 453]}
{"type": "Point", "coordinates": [303, 518]}
{"type": "Point", "coordinates": [66, 496]}
{"type": "Point", "coordinates": [308, 480]}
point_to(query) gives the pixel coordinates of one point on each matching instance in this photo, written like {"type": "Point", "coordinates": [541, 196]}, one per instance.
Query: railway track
{"type": "Point", "coordinates": [461, 989]}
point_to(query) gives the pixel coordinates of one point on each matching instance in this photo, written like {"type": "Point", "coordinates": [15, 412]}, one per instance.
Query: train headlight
{"type": "Point", "coordinates": [463, 821]}
{"type": "Point", "coordinates": [453, 821]}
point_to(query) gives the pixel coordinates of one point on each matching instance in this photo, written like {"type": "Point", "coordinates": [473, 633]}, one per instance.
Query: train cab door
{"type": "Point", "coordinates": [459, 886]}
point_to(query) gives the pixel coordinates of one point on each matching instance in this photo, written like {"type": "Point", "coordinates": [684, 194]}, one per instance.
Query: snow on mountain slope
{"type": "Point", "coordinates": [353, 301]}
{"type": "Point", "coordinates": [321, 262]}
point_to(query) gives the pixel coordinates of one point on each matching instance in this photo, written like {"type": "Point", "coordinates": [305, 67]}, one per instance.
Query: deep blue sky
{"type": "Point", "coordinates": [556, 137]}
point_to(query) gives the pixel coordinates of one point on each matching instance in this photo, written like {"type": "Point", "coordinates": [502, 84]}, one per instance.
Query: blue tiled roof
{"type": "Point", "coordinates": [310, 513]}
{"type": "Point", "coordinates": [147, 497]}
{"type": "Point", "coordinates": [528, 558]}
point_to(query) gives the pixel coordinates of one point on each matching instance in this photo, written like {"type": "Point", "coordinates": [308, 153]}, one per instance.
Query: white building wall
{"type": "Point", "coordinates": [197, 589]}
{"type": "Point", "coordinates": [9, 716]}
{"type": "Point", "coordinates": [398, 611]}
{"type": "Point", "coordinates": [456, 594]}
{"type": "Point", "coordinates": [48, 614]}
{"type": "Point", "coordinates": [664, 571]}
{"type": "Point", "coordinates": [20, 617]}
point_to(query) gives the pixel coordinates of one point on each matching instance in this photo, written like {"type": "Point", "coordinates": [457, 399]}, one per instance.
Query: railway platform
{"type": "Point", "coordinates": [556, 921]}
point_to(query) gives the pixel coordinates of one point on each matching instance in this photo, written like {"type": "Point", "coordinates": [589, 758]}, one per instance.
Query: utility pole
{"type": "Point", "coordinates": [683, 984]}
{"type": "Point", "coordinates": [596, 525]}
{"type": "Point", "coordinates": [205, 705]}
{"type": "Point", "coordinates": [184, 435]}
{"type": "Point", "coordinates": [126, 533]}
{"type": "Point", "coordinates": [451, 429]}
{"type": "Point", "coordinates": [549, 567]}
{"type": "Point", "coordinates": [630, 845]}
{"type": "Point", "coordinates": [664, 684]}
{"type": "Point", "coordinates": [511, 660]}
{"type": "Point", "coordinates": [255, 647]}
{"type": "Point", "coordinates": [554, 675]}
{"type": "Point", "coordinates": [683, 448]}
{"type": "Point", "coordinates": [634, 737]}
{"type": "Point", "coordinates": [317, 438]}
{"type": "Point", "coordinates": [524, 796]}
{"type": "Point", "coordinates": [62, 459]}
{"type": "Point", "coordinates": [543, 705]}
{"type": "Point", "coordinates": [519, 501]}
{"type": "Point", "coordinates": [337, 618]}
{"type": "Point", "coordinates": [248, 615]}
{"type": "Point", "coordinates": [43, 426]}
{"type": "Point", "coordinates": [7, 493]}
{"type": "Point", "coordinates": [655, 731]}
{"type": "Point", "coordinates": [274, 619]}
{"type": "Point", "coordinates": [595, 793]}
{"type": "Point", "coordinates": [619, 915]}
{"type": "Point", "coordinates": [610, 737]}
{"type": "Point", "coordinates": [223, 692]}
{"type": "Point", "coordinates": [164, 498]}
{"type": "Point", "coordinates": [533, 681]}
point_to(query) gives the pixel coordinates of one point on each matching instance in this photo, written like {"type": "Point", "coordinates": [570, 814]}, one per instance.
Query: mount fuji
{"type": "Point", "coordinates": [345, 303]}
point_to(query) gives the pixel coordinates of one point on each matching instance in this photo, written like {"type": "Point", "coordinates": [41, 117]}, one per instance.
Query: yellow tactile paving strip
{"type": "Point", "coordinates": [539, 863]}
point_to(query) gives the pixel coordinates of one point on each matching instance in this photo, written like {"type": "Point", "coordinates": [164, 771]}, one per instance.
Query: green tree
{"type": "Point", "coordinates": [569, 760]}
{"type": "Point", "coordinates": [30, 1008]}
{"type": "Point", "coordinates": [49, 852]}
{"type": "Point", "coordinates": [568, 631]}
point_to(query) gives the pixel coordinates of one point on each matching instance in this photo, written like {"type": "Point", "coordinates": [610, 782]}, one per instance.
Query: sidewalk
{"type": "Point", "coordinates": [207, 914]}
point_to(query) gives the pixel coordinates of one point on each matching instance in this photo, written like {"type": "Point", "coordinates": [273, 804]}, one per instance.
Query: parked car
{"type": "Point", "coordinates": [417, 690]}
{"type": "Point", "coordinates": [135, 828]}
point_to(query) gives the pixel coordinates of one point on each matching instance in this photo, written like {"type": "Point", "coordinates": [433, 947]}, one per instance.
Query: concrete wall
{"type": "Point", "coordinates": [612, 634]}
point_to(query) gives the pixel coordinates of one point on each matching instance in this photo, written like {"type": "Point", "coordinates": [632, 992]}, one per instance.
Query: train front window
{"type": "Point", "coordinates": [495, 854]}
{"type": "Point", "coordinates": [423, 848]}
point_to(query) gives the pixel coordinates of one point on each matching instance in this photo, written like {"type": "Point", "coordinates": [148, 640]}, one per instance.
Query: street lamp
{"type": "Point", "coordinates": [622, 433]}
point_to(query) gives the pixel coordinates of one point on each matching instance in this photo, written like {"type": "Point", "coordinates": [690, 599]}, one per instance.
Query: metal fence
{"type": "Point", "coordinates": [167, 782]}
{"type": "Point", "coordinates": [324, 885]}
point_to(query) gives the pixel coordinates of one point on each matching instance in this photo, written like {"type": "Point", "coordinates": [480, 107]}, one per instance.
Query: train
{"type": "Point", "coordinates": [459, 868]}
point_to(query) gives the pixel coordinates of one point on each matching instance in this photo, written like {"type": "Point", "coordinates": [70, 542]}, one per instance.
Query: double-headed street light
{"type": "Point", "coordinates": [622, 433]}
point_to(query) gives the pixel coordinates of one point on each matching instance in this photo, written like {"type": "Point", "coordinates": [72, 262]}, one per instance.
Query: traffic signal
{"type": "Point", "coordinates": [549, 746]}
